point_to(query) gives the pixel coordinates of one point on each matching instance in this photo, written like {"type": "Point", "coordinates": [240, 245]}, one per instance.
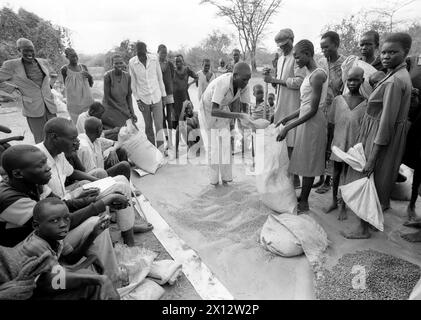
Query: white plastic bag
{"type": "Point", "coordinates": [361, 195]}
{"type": "Point", "coordinates": [272, 178]}
{"type": "Point", "coordinates": [139, 150]}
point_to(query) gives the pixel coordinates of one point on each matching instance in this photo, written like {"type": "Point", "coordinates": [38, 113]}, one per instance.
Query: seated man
{"type": "Point", "coordinates": [60, 139]}
{"type": "Point", "coordinates": [96, 110]}
{"type": "Point", "coordinates": [97, 152]}
{"type": "Point", "coordinates": [28, 173]}
{"type": "Point", "coordinates": [51, 221]}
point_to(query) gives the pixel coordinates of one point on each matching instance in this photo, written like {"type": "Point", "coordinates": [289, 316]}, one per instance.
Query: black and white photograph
{"type": "Point", "coordinates": [210, 155]}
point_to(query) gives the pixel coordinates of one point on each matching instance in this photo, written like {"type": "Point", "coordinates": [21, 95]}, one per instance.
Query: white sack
{"type": "Point", "coordinates": [139, 150]}
{"type": "Point", "coordinates": [361, 195]}
{"type": "Point", "coordinates": [354, 61]}
{"type": "Point", "coordinates": [272, 178]}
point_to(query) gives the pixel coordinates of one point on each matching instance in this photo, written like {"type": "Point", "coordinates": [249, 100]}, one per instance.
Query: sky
{"type": "Point", "coordinates": [98, 26]}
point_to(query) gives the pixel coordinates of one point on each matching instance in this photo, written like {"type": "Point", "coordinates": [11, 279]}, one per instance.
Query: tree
{"type": "Point", "coordinates": [388, 11]}
{"type": "Point", "coordinates": [250, 18]}
{"type": "Point", "coordinates": [126, 49]}
{"type": "Point", "coordinates": [350, 30]}
{"type": "Point", "coordinates": [49, 40]}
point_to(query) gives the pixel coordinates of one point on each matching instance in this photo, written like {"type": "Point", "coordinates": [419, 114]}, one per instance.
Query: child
{"type": "Point", "coordinates": [51, 221]}
{"type": "Point", "coordinates": [346, 114]}
{"type": "Point", "coordinates": [189, 121]}
{"type": "Point", "coordinates": [258, 108]}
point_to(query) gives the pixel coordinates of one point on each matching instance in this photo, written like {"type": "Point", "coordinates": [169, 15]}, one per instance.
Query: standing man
{"type": "Point", "coordinates": [289, 78]}
{"type": "Point", "coordinates": [32, 77]}
{"type": "Point", "coordinates": [236, 55]}
{"type": "Point", "coordinates": [149, 90]}
{"type": "Point", "coordinates": [215, 116]}
{"type": "Point", "coordinates": [205, 76]}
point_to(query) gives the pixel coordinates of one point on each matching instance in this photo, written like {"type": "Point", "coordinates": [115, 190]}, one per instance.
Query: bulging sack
{"type": "Point", "coordinates": [361, 195]}
{"type": "Point", "coordinates": [277, 238]}
{"type": "Point", "coordinates": [272, 178]}
{"type": "Point", "coordinates": [139, 150]}
{"type": "Point", "coordinates": [354, 61]}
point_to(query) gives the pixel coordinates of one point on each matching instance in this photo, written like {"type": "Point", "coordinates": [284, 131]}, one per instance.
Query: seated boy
{"type": "Point", "coordinates": [189, 123]}
{"type": "Point", "coordinates": [51, 221]}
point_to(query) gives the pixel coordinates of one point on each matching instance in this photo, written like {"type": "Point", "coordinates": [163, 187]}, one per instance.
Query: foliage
{"type": "Point", "coordinates": [250, 18]}
{"type": "Point", "coordinates": [49, 40]}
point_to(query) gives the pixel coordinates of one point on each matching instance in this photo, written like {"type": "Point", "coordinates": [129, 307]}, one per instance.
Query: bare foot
{"type": "Point", "coordinates": [413, 224]}
{"type": "Point", "coordinates": [215, 184]}
{"type": "Point", "coordinates": [332, 207]}
{"type": "Point", "coordinates": [342, 215]}
{"type": "Point", "coordinates": [302, 207]}
{"type": "Point", "coordinates": [412, 237]}
{"type": "Point", "coordinates": [318, 183]}
{"type": "Point", "coordinates": [225, 183]}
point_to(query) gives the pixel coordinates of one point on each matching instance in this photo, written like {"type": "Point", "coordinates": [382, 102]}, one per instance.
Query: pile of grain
{"type": "Point", "coordinates": [386, 278]}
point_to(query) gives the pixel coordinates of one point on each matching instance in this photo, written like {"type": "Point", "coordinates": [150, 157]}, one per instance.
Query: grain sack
{"type": "Point", "coordinates": [139, 150]}
{"type": "Point", "coordinates": [354, 61]}
{"type": "Point", "coordinates": [290, 235]}
{"type": "Point", "coordinates": [272, 178]}
{"type": "Point", "coordinates": [276, 238]}
{"type": "Point", "coordinates": [361, 195]}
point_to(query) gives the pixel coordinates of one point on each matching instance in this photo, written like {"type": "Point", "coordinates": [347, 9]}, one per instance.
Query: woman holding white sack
{"type": "Point", "coordinates": [308, 155]}
{"type": "Point", "coordinates": [385, 126]}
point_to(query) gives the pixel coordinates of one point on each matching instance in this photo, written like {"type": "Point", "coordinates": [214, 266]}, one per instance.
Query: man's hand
{"type": "Point", "coordinates": [282, 135]}
{"type": "Point", "coordinates": [283, 122]}
{"type": "Point", "coordinates": [140, 105]}
{"type": "Point", "coordinates": [82, 193]}
{"type": "Point", "coordinates": [112, 158]}
{"type": "Point", "coordinates": [247, 121]}
{"type": "Point", "coordinates": [134, 118]}
{"type": "Point", "coordinates": [116, 201]}
{"type": "Point", "coordinates": [102, 224]}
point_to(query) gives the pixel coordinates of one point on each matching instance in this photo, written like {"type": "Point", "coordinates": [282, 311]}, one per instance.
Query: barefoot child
{"type": "Point", "coordinates": [346, 113]}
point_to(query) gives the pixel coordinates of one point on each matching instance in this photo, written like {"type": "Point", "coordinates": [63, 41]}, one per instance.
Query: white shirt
{"type": "Point", "coordinates": [91, 153]}
{"type": "Point", "coordinates": [80, 124]}
{"type": "Point", "coordinates": [60, 170]}
{"type": "Point", "coordinates": [220, 91]}
{"type": "Point", "coordinates": [203, 82]}
{"type": "Point", "coordinates": [147, 83]}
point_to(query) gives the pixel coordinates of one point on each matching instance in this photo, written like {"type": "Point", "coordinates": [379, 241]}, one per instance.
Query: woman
{"type": "Point", "coordinates": [167, 68]}
{"type": "Point", "coordinates": [77, 83]}
{"type": "Point", "coordinates": [181, 87]}
{"type": "Point", "coordinates": [385, 125]}
{"type": "Point", "coordinates": [117, 95]}
{"type": "Point", "coordinates": [308, 155]}
{"type": "Point", "coordinates": [369, 45]}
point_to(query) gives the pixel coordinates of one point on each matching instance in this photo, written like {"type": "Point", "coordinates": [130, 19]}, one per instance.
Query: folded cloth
{"type": "Point", "coordinates": [146, 290]}
{"type": "Point", "coordinates": [165, 271]}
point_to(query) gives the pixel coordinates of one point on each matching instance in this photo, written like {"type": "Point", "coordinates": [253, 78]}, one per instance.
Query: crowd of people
{"type": "Point", "coordinates": [48, 217]}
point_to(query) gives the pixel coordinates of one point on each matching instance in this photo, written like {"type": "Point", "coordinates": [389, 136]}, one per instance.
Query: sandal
{"type": "Point", "coordinates": [323, 189]}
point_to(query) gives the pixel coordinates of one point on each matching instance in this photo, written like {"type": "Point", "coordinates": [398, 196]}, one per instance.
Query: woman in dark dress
{"type": "Point", "coordinates": [117, 95]}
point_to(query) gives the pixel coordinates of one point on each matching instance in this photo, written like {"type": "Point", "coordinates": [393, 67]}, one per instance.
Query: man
{"type": "Point", "coordinates": [28, 174]}
{"type": "Point", "coordinates": [215, 116]}
{"type": "Point", "coordinates": [289, 78]}
{"type": "Point", "coordinates": [32, 77]}
{"type": "Point", "coordinates": [60, 139]}
{"type": "Point", "coordinates": [332, 63]}
{"type": "Point", "coordinates": [205, 76]}
{"type": "Point", "coordinates": [96, 152]}
{"type": "Point", "coordinates": [236, 55]}
{"type": "Point", "coordinates": [149, 90]}
{"type": "Point", "coordinates": [96, 110]}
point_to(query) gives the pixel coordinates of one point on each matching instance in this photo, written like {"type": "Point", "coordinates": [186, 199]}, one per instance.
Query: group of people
{"type": "Point", "coordinates": [49, 216]}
